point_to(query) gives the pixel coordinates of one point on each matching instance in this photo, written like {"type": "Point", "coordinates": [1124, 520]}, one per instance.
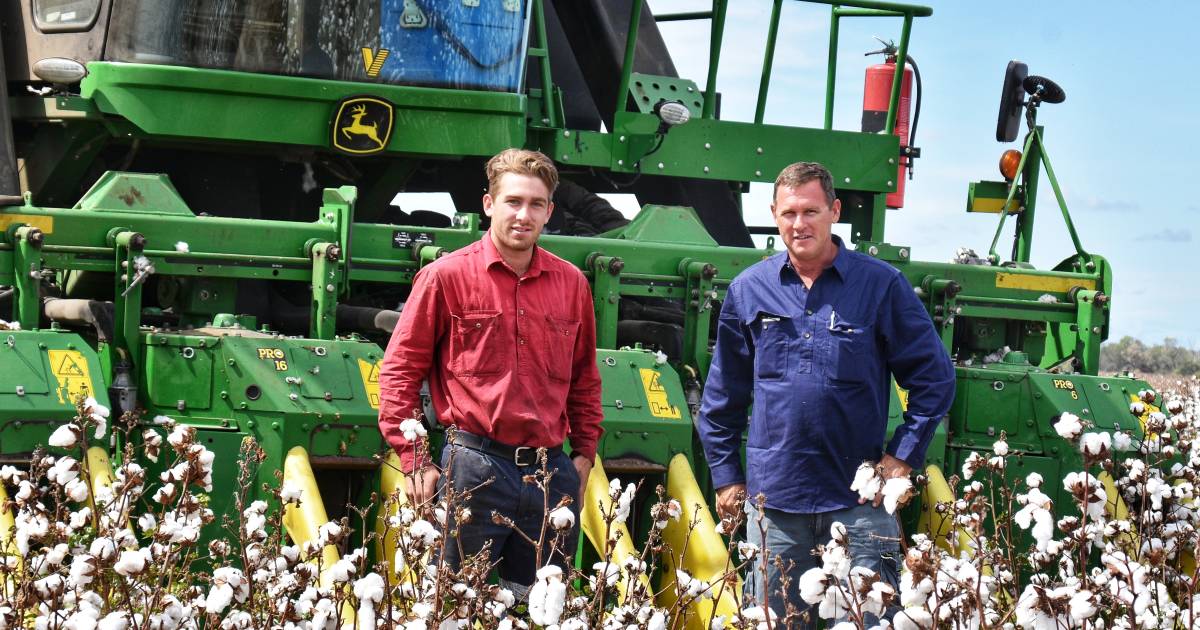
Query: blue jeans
{"type": "Point", "coordinates": [874, 543]}
{"type": "Point", "coordinates": [508, 495]}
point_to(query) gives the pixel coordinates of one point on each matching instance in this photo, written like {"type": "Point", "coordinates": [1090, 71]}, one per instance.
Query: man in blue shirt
{"type": "Point", "coordinates": [809, 337]}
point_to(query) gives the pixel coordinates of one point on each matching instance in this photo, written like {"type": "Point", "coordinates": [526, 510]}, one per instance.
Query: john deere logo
{"type": "Point", "coordinates": [362, 125]}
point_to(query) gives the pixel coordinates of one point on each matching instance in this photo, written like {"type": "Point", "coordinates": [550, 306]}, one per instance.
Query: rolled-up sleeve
{"type": "Point", "coordinates": [727, 395]}
{"type": "Point", "coordinates": [919, 362]}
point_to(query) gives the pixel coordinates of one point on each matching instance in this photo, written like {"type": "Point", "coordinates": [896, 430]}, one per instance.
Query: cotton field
{"type": "Point", "coordinates": [129, 554]}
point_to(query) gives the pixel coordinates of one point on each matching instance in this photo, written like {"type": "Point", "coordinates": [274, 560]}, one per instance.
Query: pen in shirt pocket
{"type": "Point", "coordinates": [839, 325]}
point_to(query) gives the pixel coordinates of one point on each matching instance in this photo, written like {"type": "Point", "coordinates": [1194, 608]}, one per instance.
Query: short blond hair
{"type": "Point", "coordinates": [521, 162]}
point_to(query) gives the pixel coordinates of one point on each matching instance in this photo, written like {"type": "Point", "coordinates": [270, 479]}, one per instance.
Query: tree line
{"type": "Point", "coordinates": [1133, 355]}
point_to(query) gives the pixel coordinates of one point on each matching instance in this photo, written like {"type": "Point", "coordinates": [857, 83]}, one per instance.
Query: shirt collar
{"type": "Point", "coordinates": [841, 261]}
{"type": "Point", "coordinates": [491, 256]}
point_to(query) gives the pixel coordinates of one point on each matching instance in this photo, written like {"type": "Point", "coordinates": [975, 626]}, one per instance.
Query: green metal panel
{"type": "Point", "coordinates": [645, 411]}
{"type": "Point", "coordinates": [42, 373]}
{"type": "Point", "coordinates": [180, 376]}
{"type": "Point", "coordinates": [219, 105]}
{"type": "Point", "coordinates": [134, 192]}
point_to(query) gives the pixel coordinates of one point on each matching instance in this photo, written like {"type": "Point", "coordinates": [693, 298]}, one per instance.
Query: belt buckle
{"type": "Point", "coordinates": [519, 460]}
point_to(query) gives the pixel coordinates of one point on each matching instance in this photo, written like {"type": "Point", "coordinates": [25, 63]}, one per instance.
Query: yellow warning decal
{"type": "Point", "coordinates": [45, 224]}
{"type": "Point", "coordinates": [656, 396]}
{"type": "Point", "coordinates": [1145, 414]}
{"type": "Point", "coordinates": [370, 378]}
{"type": "Point", "coordinates": [373, 60]}
{"type": "Point", "coordinates": [1030, 282]}
{"type": "Point", "coordinates": [70, 368]}
{"type": "Point", "coordinates": [903, 395]}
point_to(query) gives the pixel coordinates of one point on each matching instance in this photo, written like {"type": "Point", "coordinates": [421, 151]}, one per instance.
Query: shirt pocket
{"type": "Point", "coordinates": [772, 348]}
{"type": "Point", "coordinates": [559, 350]}
{"type": "Point", "coordinates": [852, 352]}
{"type": "Point", "coordinates": [476, 343]}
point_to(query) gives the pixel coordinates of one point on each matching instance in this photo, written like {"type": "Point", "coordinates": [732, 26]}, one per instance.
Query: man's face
{"type": "Point", "coordinates": [519, 210]}
{"type": "Point", "coordinates": [805, 220]}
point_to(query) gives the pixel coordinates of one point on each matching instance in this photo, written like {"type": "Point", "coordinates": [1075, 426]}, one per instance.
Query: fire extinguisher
{"type": "Point", "coordinates": [877, 92]}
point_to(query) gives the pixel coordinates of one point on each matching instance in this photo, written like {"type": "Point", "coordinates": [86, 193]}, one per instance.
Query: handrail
{"type": "Point", "coordinates": [839, 9]}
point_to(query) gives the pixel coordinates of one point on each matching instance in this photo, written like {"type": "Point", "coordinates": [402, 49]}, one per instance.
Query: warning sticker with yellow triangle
{"type": "Point", "coordinates": [70, 369]}
{"type": "Point", "coordinates": [370, 377]}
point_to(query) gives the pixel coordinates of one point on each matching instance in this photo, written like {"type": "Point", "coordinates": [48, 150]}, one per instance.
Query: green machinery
{"type": "Point", "coordinates": [197, 219]}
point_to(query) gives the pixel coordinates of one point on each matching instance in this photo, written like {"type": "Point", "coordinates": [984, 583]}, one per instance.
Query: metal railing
{"type": "Point", "coordinates": [839, 9]}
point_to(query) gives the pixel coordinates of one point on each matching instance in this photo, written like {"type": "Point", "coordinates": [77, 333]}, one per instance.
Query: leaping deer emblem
{"type": "Point", "coordinates": [357, 128]}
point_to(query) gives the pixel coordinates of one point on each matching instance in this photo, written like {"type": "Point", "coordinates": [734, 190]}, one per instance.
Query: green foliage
{"type": "Point", "coordinates": [1166, 358]}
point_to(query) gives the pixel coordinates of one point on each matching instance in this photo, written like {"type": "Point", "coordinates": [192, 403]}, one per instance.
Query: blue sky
{"type": "Point", "coordinates": [1123, 145]}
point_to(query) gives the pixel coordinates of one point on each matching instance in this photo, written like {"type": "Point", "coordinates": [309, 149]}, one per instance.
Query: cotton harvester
{"type": "Point", "coordinates": [198, 220]}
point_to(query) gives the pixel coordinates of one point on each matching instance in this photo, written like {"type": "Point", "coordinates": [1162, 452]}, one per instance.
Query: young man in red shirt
{"type": "Point", "coordinates": [505, 333]}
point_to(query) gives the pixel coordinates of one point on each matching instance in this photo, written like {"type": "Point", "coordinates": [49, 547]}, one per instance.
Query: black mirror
{"type": "Point", "coordinates": [1012, 97]}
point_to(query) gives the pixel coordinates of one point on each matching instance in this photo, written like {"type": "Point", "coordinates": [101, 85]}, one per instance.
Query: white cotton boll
{"type": "Point", "coordinates": [747, 550]}
{"type": "Point", "coordinates": [182, 247]}
{"type": "Point", "coordinates": [835, 604]}
{"type": "Point", "coordinates": [836, 561]}
{"type": "Point", "coordinates": [718, 623]}
{"type": "Point", "coordinates": [103, 548]}
{"type": "Point", "coordinates": [218, 598]}
{"type": "Point", "coordinates": [1000, 448]}
{"type": "Point", "coordinates": [867, 481]}
{"type": "Point", "coordinates": [974, 462]}
{"type": "Point", "coordinates": [913, 619]}
{"type": "Point", "coordinates": [624, 502]}
{"type": "Point", "coordinates": [606, 572]}
{"type": "Point", "coordinates": [813, 583]}
{"type": "Point", "coordinates": [422, 530]}
{"type": "Point", "coordinates": [147, 522]}
{"type": "Point", "coordinates": [83, 570]}
{"type": "Point", "coordinates": [1122, 441]}
{"type": "Point", "coordinates": [562, 518]}
{"type": "Point", "coordinates": [114, 621]}
{"type": "Point", "coordinates": [1068, 426]}
{"type": "Point", "coordinates": [895, 490]}
{"type": "Point", "coordinates": [674, 509]}
{"type": "Point", "coordinates": [658, 621]}
{"type": "Point", "coordinates": [1095, 444]}
{"type": "Point", "coordinates": [65, 436]}
{"type": "Point", "coordinates": [844, 625]}
{"type": "Point", "coordinates": [290, 492]}
{"type": "Point", "coordinates": [547, 597]}
{"type": "Point", "coordinates": [77, 490]}
{"type": "Point", "coordinates": [412, 429]}
{"type": "Point", "coordinates": [64, 470]}
{"type": "Point", "coordinates": [130, 563]}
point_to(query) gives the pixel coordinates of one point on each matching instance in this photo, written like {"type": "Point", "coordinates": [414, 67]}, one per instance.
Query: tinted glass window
{"type": "Point", "coordinates": [474, 44]}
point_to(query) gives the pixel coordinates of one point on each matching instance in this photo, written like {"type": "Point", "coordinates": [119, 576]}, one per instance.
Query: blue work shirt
{"type": "Point", "coordinates": [815, 363]}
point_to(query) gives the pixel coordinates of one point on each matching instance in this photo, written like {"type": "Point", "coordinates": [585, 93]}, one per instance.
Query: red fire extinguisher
{"type": "Point", "coordinates": [877, 91]}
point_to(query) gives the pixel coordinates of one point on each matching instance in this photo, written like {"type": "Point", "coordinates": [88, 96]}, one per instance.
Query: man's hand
{"type": "Point", "coordinates": [730, 500]}
{"type": "Point", "coordinates": [583, 466]}
{"type": "Point", "coordinates": [421, 485]}
{"type": "Point", "coordinates": [889, 468]}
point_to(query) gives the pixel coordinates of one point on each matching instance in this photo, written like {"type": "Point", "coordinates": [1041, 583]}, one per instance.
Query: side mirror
{"type": "Point", "coordinates": [1012, 97]}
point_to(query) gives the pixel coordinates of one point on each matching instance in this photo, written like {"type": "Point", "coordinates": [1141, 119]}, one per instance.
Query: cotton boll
{"type": "Point", "coordinates": [130, 563]}
{"type": "Point", "coordinates": [65, 436]}
{"type": "Point", "coordinates": [562, 518]}
{"type": "Point", "coordinates": [1068, 426]}
{"type": "Point", "coordinates": [896, 491]}
{"type": "Point", "coordinates": [867, 481]}
{"type": "Point", "coordinates": [547, 597]}
{"type": "Point", "coordinates": [813, 584]}
{"type": "Point", "coordinates": [913, 619]}
{"type": "Point", "coordinates": [182, 247]}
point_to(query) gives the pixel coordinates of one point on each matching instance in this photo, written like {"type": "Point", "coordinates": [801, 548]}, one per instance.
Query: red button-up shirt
{"type": "Point", "coordinates": [509, 358]}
